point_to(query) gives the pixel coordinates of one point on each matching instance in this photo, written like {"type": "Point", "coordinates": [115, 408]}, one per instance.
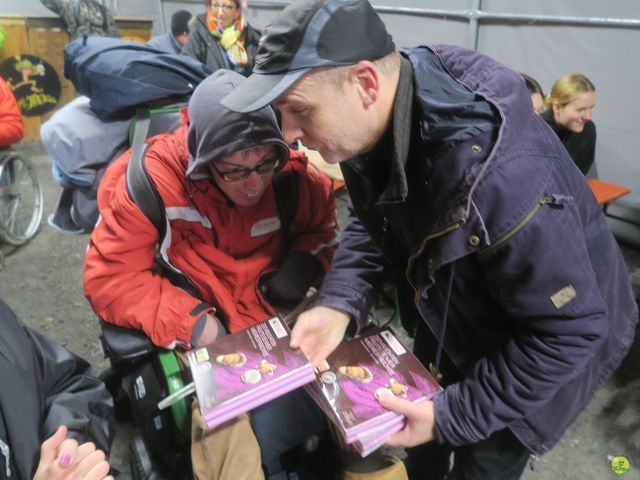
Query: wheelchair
{"type": "Point", "coordinates": [141, 375]}
{"type": "Point", "coordinates": [21, 199]}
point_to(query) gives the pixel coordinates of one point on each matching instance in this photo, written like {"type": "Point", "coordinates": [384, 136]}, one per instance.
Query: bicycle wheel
{"type": "Point", "coordinates": [21, 203]}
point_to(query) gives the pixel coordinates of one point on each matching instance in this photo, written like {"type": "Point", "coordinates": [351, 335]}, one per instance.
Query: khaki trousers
{"type": "Point", "coordinates": [228, 452]}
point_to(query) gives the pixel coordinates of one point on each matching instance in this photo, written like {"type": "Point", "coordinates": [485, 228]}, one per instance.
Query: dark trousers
{"type": "Point", "coordinates": [283, 423]}
{"type": "Point", "coordinates": [499, 457]}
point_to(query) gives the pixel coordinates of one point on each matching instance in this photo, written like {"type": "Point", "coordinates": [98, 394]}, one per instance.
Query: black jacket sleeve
{"type": "Point", "coordinates": [74, 396]}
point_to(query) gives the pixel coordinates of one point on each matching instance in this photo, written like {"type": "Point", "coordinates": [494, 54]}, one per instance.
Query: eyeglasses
{"type": "Point", "coordinates": [225, 8]}
{"type": "Point", "coordinates": [266, 166]}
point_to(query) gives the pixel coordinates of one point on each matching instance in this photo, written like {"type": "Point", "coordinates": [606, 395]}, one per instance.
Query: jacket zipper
{"type": "Point", "coordinates": [444, 231]}
{"type": "Point", "coordinates": [543, 201]}
{"type": "Point", "coordinates": [6, 452]}
{"type": "Point", "coordinates": [433, 368]}
{"type": "Point", "coordinates": [523, 223]}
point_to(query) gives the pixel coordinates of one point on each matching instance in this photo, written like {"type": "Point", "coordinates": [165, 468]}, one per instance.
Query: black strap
{"type": "Point", "coordinates": [144, 194]}
{"type": "Point", "coordinates": [285, 190]}
{"type": "Point", "coordinates": [139, 185]}
{"type": "Point", "coordinates": [435, 367]}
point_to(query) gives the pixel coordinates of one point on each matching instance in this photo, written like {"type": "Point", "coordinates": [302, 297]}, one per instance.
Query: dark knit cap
{"type": "Point", "coordinates": [180, 22]}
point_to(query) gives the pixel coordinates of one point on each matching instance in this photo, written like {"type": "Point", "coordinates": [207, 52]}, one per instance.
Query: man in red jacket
{"type": "Point", "coordinates": [213, 176]}
{"type": "Point", "coordinates": [11, 125]}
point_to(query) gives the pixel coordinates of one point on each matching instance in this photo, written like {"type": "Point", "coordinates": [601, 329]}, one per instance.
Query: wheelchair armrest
{"type": "Point", "coordinates": [124, 345]}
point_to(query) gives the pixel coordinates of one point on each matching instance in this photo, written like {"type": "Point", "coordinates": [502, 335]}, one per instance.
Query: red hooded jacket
{"type": "Point", "coordinates": [11, 126]}
{"type": "Point", "coordinates": [223, 250]}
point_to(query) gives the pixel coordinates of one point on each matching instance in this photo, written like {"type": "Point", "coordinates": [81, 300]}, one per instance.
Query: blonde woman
{"type": "Point", "coordinates": [222, 38]}
{"type": "Point", "coordinates": [570, 107]}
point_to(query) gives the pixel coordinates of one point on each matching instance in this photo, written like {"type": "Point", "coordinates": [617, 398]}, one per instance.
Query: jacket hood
{"type": "Point", "coordinates": [215, 131]}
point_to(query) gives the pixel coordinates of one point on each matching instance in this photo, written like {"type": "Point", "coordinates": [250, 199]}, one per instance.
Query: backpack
{"type": "Point", "coordinates": [120, 76]}
{"type": "Point", "coordinates": [81, 146]}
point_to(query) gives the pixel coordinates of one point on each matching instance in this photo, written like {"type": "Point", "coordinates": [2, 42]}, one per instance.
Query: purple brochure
{"type": "Point", "coordinates": [246, 369]}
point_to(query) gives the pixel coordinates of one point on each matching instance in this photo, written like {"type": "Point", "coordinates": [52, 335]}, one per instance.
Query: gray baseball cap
{"type": "Point", "coordinates": [305, 35]}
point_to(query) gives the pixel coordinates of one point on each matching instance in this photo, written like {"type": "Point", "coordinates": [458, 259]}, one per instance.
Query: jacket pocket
{"type": "Point", "coordinates": [551, 200]}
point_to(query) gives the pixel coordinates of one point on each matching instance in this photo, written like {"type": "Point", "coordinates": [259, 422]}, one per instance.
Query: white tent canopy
{"type": "Point", "coordinates": [544, 38]}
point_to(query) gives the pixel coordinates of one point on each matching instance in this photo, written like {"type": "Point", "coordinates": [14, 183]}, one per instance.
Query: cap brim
{"type": "Point", "coordinates": [259, 90]}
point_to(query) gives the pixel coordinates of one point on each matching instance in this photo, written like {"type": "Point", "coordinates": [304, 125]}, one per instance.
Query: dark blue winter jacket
{"type": "Point", "coordinates": [541, 309]}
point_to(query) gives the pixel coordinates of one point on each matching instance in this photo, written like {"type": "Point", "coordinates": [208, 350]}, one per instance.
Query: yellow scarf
{"type": "Point", "coordinates": [231, 39]}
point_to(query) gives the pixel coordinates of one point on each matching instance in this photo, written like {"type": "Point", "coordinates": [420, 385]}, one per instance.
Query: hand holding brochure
{"type": "Point", "coordinates": [246, 369]}
{"type": "Point", "coordinates": [356, 374]}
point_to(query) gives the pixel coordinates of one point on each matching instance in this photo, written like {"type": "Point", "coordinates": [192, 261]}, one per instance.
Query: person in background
{"type": "Point", "coordinates": [11, 123]}
{"type": "Point", "coordinates": [537, 94]}
{"type": "Point", "coordinates": [506, 268]}
{"type": "Point", "coordinates": [84, 17]}
{"type": "Point", "coordinates": [56, 417]}
{"type": "Point", "coordinates": [215, 176]}
{"type": "Point", "coordinates": [222, 38]}
{"type": "Point", "coordinates": [569, 112]}
{"type": "Point", "coordinates": [174, 40]}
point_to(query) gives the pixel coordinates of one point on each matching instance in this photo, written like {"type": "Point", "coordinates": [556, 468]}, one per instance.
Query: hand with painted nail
{"type": "Point", "coordinates": [63, 458]}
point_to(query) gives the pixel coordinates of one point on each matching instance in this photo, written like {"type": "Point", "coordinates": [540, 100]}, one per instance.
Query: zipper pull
{"type": "Point", "coordinates": [534, 463]}
{"type": "Point", "coordinates": [6, 452]}
{"type": "Point", "coordinates": [556, 200]}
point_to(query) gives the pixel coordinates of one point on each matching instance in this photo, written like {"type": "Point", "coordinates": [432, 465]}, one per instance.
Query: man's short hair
{"type": "Point", "coordinates": [336, 76]}
{"type": "Point", "coordinates": [180, 22]}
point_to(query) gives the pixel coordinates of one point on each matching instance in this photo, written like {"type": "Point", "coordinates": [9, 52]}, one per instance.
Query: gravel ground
{"type": "Point", "coordinates": [42, 282]}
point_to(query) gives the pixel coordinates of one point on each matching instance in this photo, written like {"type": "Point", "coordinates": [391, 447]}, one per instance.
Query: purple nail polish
{"type": "Point", "coordinates": [65, 459]}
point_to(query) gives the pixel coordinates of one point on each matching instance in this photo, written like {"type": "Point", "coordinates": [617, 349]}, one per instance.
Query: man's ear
{"type": "Point", "coordinates": [366, 77]}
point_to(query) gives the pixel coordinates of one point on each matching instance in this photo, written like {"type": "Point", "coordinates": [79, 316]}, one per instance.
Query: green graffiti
{"type": "Point", "coordinates": [35, 100]}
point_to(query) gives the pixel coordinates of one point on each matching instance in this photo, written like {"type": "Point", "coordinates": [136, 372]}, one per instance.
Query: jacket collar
{"type": "Point", "coordinates": [397, 189]}
{"type": "Point", "coordinates": [386, 163]}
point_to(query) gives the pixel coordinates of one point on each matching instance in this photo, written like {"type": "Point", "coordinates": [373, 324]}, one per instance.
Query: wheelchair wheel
{"type": "Point", "coordinates": [21, 200]}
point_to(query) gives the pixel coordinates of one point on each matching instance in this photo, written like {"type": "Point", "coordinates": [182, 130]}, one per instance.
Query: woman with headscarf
{"type": "Point", "coordinates": [222, 38]}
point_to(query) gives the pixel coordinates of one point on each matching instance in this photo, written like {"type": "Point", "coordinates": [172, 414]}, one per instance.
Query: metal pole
{"type": "Point", "coordinates": [472, 32]}
{"type": "Point", "coordinates": [478, 15]}
{"type": "Point", "coordinates": [161, 15]}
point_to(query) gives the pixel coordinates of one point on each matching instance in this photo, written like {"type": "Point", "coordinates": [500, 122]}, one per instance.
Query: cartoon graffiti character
{"type": "Point", "coordinates": [28, 70]}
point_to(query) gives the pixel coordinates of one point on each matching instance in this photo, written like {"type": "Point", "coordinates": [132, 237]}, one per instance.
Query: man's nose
{"type": "Point", "coordinates": [290, 131]}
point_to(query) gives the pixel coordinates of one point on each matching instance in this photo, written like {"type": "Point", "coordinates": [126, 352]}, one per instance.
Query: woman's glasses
{"type": "Point", "coordinates": [225, 8]}
{"type": "Point", "coordinates": [242, 173]}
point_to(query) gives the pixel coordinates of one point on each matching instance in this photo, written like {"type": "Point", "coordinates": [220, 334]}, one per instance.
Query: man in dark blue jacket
{"type": "Point", "coordinates": [517, 290]}
{"type": "Point", "coordinates": [173, 40]}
